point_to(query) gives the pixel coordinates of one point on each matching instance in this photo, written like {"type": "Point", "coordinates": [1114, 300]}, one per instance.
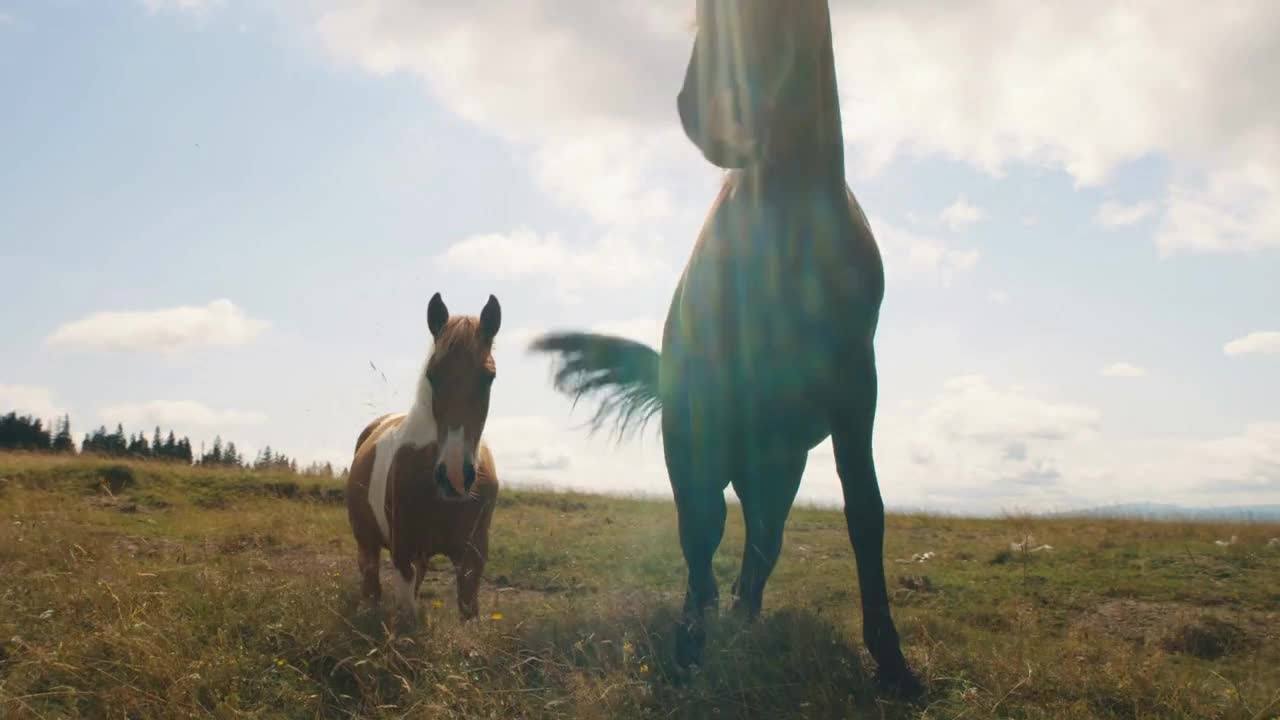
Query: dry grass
{"type": "Point", "coordinates": [185, 593]}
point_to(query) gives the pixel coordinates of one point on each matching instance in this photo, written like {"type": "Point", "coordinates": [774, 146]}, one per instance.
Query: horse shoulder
{"type": "Point", "coordinates": [408, 476]}
{"type": "Point", "coordinates": [370, 429]}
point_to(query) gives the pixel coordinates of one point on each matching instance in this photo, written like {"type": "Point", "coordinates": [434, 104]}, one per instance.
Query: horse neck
{"type": "Point", "coordinates": [814, 133]}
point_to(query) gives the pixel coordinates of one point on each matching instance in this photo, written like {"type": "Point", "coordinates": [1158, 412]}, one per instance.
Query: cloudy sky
{"type": "Point", "coordinates": [228, 216]}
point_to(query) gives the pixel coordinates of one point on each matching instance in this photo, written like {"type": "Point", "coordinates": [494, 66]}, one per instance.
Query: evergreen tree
{"type": "Point", "coordinates": [230, 456]}
{"type": "Point", "coordinates": [156, 443]}
{"type": "Point", "coordinates": [23, 432]}
{"type": "Point", "coordinates": [63, 442]}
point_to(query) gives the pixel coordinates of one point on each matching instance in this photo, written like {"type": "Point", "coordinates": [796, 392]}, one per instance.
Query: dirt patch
{"type": "Point", "coordinates": [147, 547]}
{"type": "Point", "coordinates": [1206, 637]}
{"type": "Point", "coordinates": [1177, 627]}
{"type": "Point", "coordinates": [244, 542]}
{"type": "Point", "coordinates": [113, 478]}
{"type": "Point", "coordinates": [917, 583]}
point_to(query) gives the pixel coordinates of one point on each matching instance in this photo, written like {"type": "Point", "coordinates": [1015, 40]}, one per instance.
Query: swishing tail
{"type": "Point", "coordinates": [624, 372]}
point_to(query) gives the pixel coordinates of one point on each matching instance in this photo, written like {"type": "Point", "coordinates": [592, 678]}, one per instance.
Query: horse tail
{"type": "Point", "coordinates": [624, 372]}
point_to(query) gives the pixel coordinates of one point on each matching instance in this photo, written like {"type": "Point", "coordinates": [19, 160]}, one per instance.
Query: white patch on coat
{"type": "Point", "coordinates": [418, 429]}
{"type": "Point", "coordinates": [384, 451]}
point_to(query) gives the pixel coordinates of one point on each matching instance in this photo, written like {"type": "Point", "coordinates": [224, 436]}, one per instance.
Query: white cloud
{"type": "Point", "coordinates": [170, 330]}
{"type": "Point", "coordinates": [608, 263]}
{"type": "Point", "coordinates": [551, 77]}
{"type": "Point", "coordinates": [960, 214]}
{"type": "Point", "coordinates": [907, 254]}
{"type": "Point", "coordinates": [181, 415]}
{"type": "Point", "coordinates": [1240, 468]}
{"type": "Point", "coordinates": [1085, 87]}
{"type": "Point", "coordinates": [1113, 214]}
{"type": "Point", "coordinates": [534, 449]}
{"type": "Point", "coordinates": [972, 408]}
{"type": "Point", "coordinates": [32, 400]}
{"type": "Point", "coordinates": [980, 443]}
{"type": "Point", "coordinates": [588, 89]}
{"type": "Point", "coordinates": [1249, 462]}
{"type": "Point", "coordinates": [1123, 369]}
{"type": "Point", "coordinates": [194, 7]}
{"type": "Point", "coordinates": [999, 297]}
{"type": "Point", "coordinates": [1235, 209]}
{"type": "Point", "coordinates": [1259, 343]}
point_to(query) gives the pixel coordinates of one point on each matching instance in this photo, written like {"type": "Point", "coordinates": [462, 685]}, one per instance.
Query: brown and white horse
{"type": "Point", "coordinates": [423, 483]}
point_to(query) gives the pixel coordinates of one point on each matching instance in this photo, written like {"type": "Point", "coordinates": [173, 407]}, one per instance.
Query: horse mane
{"type": "Point", "coordinates": [461, 332]}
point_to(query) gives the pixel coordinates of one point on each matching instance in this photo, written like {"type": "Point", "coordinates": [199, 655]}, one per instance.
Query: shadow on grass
{"type": "Point", "coordinates": [595, 661]}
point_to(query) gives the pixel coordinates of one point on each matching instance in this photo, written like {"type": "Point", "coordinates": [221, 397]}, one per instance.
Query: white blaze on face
{"type": "Point", "coordinates": [453, 455]}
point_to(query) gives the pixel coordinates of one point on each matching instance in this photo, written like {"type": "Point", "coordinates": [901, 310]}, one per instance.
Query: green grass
{"type": "Point", "coordinates": [190, 593]}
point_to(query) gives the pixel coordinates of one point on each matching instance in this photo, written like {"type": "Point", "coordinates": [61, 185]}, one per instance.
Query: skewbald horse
{"type": "Point", "coordinates": [423, 483]}
{"type": "Point", "coordinates": [768, 345]}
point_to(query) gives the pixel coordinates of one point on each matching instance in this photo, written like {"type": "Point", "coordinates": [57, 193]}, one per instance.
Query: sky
{"type": "Point", "coordinates": [228, 216]}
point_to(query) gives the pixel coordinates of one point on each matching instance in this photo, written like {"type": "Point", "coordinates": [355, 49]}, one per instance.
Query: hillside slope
{"type": "Point", "coordinates": [164, 591]}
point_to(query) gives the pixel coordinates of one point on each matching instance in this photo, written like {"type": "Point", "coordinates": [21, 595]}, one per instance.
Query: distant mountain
{"type": "Point", "coordinates": [1167, 511]}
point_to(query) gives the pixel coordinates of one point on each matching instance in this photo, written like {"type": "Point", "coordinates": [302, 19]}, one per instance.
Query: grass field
{"type": "Point", "coordinates": [190, 593]}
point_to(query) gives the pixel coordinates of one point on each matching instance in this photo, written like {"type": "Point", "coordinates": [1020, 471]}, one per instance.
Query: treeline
{"type": "Point", "coordinates": [24, 432]}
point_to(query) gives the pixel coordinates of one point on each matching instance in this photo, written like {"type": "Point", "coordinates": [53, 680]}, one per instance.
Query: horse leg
{"type": "Point", "coordinates": [852, 423]}
{"type": "Point", "coordinates": [368, 558]}
{"type": "Point", "coordinates": [419, 574]}
{"type": "Point", "coordinates": [766, 492]}
{"type": "Point", "coordinates": [700, 510]}
{"type": "Point", "coordinates": [469, 568]}
{"type": "Point", "coordinates": [405, 580]}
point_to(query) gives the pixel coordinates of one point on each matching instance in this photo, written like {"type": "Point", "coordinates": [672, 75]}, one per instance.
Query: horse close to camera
{"type": "Point", "coordinates": [768, 344]}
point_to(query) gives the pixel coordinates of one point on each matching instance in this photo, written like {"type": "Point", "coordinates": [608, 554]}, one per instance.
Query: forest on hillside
{"type": "Point", "coordinates": [31, 434]}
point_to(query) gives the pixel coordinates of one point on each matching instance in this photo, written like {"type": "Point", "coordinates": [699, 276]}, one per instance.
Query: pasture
{"type": "Point", "coordinates": [158, 591]}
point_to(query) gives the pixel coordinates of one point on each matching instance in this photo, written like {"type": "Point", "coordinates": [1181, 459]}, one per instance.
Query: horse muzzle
{"type": "Point", "coordinates": [449, 487]}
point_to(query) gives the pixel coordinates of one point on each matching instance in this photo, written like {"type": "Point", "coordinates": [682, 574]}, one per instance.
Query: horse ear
{"type": "Point", "coordinates": [491, 318]}
{"type": "Point", "coordinates": [437, 315]}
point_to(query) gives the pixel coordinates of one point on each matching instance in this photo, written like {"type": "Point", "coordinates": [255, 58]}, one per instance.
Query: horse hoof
{"type": "Point", "coordinates": [901, 684]}
{"type": "Point", "coordinates": [691, 642]}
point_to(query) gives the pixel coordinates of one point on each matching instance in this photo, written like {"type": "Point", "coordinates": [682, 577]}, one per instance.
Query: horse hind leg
{"type": "Point", "coordinates": [767, 491]}
{"type": "Point", "coordinates": [367, 559]}
{"type": "Point", "coordinates": [851, 436]}
{"type": "Point", "coordinates": [700, 508]}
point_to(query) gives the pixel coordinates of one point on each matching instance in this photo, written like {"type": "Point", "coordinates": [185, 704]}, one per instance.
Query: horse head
{"type": "Point", "coordinates": [760, 83]}
{"type": "Point", "coordinates": [460, 374]}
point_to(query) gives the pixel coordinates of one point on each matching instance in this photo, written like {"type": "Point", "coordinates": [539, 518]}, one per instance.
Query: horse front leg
{"type": "Point", "coordinates": [469, 569]}
{"type": "Point", "coordinates": [851, 434]}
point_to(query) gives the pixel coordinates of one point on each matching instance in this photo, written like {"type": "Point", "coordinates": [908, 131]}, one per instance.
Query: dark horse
{"type": "Point", "coordinates": [768, 343]}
